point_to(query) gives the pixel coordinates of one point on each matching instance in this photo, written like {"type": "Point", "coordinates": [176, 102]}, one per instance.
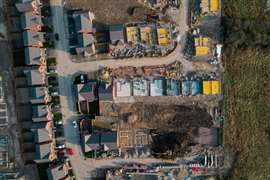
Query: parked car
{"type": "Point", "coordinates": [82, 78]}
{"type": "Point", "coordinates": [71, 151]}
{"type": "Point", "coordinates": [75, 124]}
{"type": "Point", "coordinates": [56, 36]}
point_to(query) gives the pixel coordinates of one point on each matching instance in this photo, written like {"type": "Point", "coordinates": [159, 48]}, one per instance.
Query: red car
{"type": "Point", "coordinates": [71, 151]}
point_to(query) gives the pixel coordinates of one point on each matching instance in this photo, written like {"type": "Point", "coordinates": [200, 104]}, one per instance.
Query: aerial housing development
{"type": "Point", "coordinates": [114, 89]}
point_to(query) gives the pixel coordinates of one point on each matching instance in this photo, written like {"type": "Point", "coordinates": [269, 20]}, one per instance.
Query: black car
{"type": "Point", "coordinates": [56, 36]}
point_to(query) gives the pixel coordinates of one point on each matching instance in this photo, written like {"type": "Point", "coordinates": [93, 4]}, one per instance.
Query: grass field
{"type": "Point", "coordinates": [247, 87]}
{"type": "Point", "coordinates": [247, 108]}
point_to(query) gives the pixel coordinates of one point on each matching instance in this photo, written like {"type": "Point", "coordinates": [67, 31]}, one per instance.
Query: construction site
{"type": "Point", "coordinates": [135, 30]}
{"type": "Point", "coordinates": [132, 84]}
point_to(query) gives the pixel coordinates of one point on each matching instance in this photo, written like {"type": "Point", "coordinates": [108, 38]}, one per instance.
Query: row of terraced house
{"type": "Point", "coordinates": [38, 106]}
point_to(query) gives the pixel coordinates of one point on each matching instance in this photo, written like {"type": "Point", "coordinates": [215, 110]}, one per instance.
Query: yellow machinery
{"type": "Point", "coordinates": [215, 87]}
{"type": "Point", "coordinates": [202, 46]}
{"type": "Point", "coordinates": [163, 36]}
{"type": "Point", "coordinates": [214, 5]}
{"type": "Point", "coordinates": [202, 51]}
{"type": "Point", "coordinates": [206, 87]}
{"type": "Point", "coordinates": [211, 87]}
{"type": "Point", "coordinates": [146, 35]}
{"type": "Point", "coordinates": [131, 34]}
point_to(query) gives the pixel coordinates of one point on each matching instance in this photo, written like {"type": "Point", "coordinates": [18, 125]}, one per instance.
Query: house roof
{"type": "Point", "coordinates": [34, 77]}
{"type": "Point", "coordinates": [116, 33]}
{"type": "Point", "coordinates": [86, 91]}
{"type": "Point", "coordinates": [105, 92]}
{"type": "Point", "coordinates": [85, 40]}
{"type": "Point", "coordinates": [24, 6]}
{"type": "Point", "coordinates": [30, 20]}
{"type": "Point", "coordinates": [91, 142]}
{"type": "Point", "coordinates": [56, 173]}
{"type": "Point", "coordinates": [82, 21]}
{"type": "Point", "coordinates": [84, 27]}
{"type": "Point", "coordinates": [43, 152]}
{"type": "Point", "coordinates": [37, 92]}
{"type": "Point", "coordinates": [109, 140]}
{"type": "Point", "coordinates": [32, 55]}
{"type": "Point", "coordinates": [96, 140]}
{"type": "Point", "coordinates": [39, 111]}
{"type": "Point", "coordinates": [41, 135]}
{"type": "Point", "coordinates": [38, 125]}
{"type": "Point", "coordinates": [32, 38]}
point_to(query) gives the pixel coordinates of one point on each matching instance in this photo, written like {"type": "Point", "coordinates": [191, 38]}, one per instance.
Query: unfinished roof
{"type": "Point", "coordinates": [112, 12]}
{"type": "Point", "coordinates": [206, 136]}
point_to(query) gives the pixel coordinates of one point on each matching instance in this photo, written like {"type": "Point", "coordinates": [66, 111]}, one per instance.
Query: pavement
{"type": "Point", "coordinates": [67, 68]}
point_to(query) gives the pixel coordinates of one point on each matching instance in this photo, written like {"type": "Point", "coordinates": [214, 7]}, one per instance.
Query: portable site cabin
{"type": "Point", "coordinates": [157, 87]}
{"type": "Point", "coordinates": [206, 87]}
{"type": "Point", "coordinates": [186, 88]}
{"type": "Point", "coordinates": [140, 87]}
{"type": "Point", "coordinates": [195, 88]}
{"type": "Point", "coordinates": [214, 5]}
{"type": "Point", "coordinates": [173, 87]}
{"type": "Point", "coordinates": [211, 87]}
{"type": "Point", "coordinates": [123, 88]}
{"type": "Point", "coordinates": [215, 87]}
